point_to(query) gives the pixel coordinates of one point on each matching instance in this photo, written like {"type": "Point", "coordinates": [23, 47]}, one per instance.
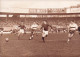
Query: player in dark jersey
{"type": "Point", "coordinates": [45, 26]}
{"type": "Point", "coordinates": [22, 29]}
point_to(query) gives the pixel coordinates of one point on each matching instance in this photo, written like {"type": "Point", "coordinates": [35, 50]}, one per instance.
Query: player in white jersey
{"type": "Point", "coordinates": [34, 27]}
{"type": "Point", "coordinates": [71, 29]}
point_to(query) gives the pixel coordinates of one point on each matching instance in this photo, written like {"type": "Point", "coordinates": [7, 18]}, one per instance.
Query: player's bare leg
{"type": "Point", "coordinates": [24, 31]}
{"type": "Point", "coordinates": [31, 36]}
{"type": "Point", "coordinates": [36, 33]}
{"type": "Point", "coordinates": [20, 35]}
{"type": "Point", "coordinates": [69, 37]}
{"type": "Point", "coordinates": [43, 39]}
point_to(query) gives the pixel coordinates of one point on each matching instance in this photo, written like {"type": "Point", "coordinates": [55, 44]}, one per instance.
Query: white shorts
{"type": "Point", "coordinates": [21, 31]}
{"type": "Point", "coordinates": [44, 33]}
{"type": "Point", "coordinates": [72, 29]}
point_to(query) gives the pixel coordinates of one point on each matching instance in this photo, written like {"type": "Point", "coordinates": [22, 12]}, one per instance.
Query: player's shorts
{"type": "Point", "coordinates": [44, 33]}
{"type": "Point", "coordinates": [21, 31]}
{"type": "Point", "coordinates": [71, 31]}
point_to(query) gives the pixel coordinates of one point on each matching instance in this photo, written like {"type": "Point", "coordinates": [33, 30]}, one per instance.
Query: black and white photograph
{"type": "Point", "coordinates": [39, 28]}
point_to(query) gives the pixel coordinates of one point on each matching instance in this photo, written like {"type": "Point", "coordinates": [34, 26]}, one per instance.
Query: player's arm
{"type": "Point", "coordinates": [19, 26]}
{"type": "Point", "coordinates": [24, 27]}
{"type": "Point", "coordinates": [37, 25]}
{"type": "Point", "coordinates": [76, 27]}
{"type": "Point", "coordinates": [68, 27]}
{"type": "Point", "coordinates": [41, 27]}
{"type": "Point", "coordinates": [51, 27]}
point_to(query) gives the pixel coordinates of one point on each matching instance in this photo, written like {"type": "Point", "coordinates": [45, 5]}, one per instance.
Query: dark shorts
{"type": "Point", "coordinates": [71, 31]}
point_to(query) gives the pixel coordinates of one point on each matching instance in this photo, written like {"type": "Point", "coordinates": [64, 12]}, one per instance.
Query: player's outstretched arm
{"type": "Point", "coordinates": [68, 28]}
{"type": "Point", "coordinates": [51, 27]}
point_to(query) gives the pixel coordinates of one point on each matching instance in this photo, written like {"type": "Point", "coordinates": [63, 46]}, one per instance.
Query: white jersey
{"type": "Point", "coordinates": [73, 26]}
{"type": "Point", "coordinates": [34, 26]}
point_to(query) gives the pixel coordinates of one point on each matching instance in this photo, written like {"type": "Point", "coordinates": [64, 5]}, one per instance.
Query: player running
{"type": "Point", "coordinates": [34, 27]}
{"type": "Point", "coordinates": [22, 29]}
{"type": "Point", "coordinates": [71, 28]}
{"type": "Point", "coordinates": [45, 26]}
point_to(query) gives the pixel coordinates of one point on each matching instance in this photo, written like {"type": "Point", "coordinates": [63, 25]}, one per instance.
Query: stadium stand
{"type": "Point", "coordinates": [59, 20]}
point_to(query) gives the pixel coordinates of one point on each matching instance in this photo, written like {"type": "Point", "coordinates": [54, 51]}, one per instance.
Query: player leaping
{"type": "Point", "coordinates": [45, 26]}
{"type": "Point", "coordinates": [71, 28]}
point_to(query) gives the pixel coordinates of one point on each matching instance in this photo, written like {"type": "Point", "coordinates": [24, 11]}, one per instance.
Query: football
{"type": "Point", "coordinates": [7, 39]}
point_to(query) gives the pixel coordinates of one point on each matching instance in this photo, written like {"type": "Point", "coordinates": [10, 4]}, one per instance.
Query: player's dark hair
{"type": "Point", "coordinates": [72, 21]}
